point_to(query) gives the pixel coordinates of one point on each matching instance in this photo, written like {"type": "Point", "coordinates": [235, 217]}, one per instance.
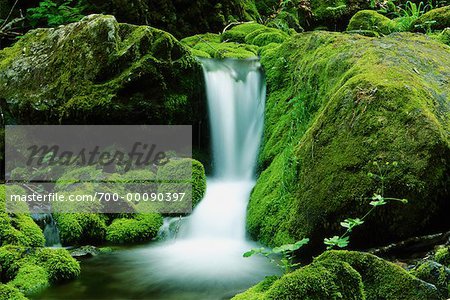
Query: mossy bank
{"type": "Point", "coordinates": [336, 104]}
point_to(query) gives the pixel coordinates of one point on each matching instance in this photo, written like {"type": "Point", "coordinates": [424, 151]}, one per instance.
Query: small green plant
{"type": "Point", "coordinates": [53, 13]}
{"type": "Point", "coordinates": [377, 200]}
{"type": "Point", "coordinates": [286, 263]}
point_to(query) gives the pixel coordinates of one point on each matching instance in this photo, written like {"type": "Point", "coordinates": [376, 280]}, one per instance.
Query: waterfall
{"type": "Point", "coordinates": [49, 228]}
{"type": "Point", "coordinates": [207, 253]}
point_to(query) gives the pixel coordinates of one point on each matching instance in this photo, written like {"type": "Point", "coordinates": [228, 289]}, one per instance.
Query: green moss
{"type": "Point", "coordinates": [81, 228]}
{"type": "Point", "coordinates": [209, 45]}
{"type": "Point", "coordinates": [105, 64]}
{"type": "Point", "coordinates": [442, 256]}
{"type": "Point", "coordinates": [241, 41]}
{"type": "Point", "coordinates": [141, 228]}
{"type": "Point", "coordinates": [58, 263]}
{"type": "Point", "coordinates": [336, 102]}
{"type": "Point", "coordinates": [18, 229]}
{"type": "Point", "coordinates": [320, 280]}
{"type": "Point", "coordinates": [179, 171]}
{"type": "Point", "coordinates": [238, 34]}
{"type": "Point", "coordinates": [435, 19]}
{"type": "Point", "coordinates": [371, 21]}
{"type": "Point", "coordinates": [11, 293]}
{"type": "Point", "coordinates": [10, 260]}
{"type": "Point", "coordinates": [32, 269]}
{"type": "Point", "coordinates": [258, 291]}
{"type": "Point", "coordinates": [382, 279]}
{"type": "Point", "coordinates": [435, 274]}
{"type": "Point", "coordinates": [31, 279]}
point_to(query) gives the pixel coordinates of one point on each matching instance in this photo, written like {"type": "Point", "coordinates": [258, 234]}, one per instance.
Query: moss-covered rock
{"type": "Point", "coordinates": [140, 228]}
{"type": "Point", "coordinates": [333, 15]}
{"type": "Point", "coordinates": [31, 279]}
{"type": "Point", "coordinates": [372, 21]}
{"type": "Point", "coordinates": [180, 18]}
{"type": "Point", "coordinates": [241, 41]}
{"type": "Point", "coordinates": [32, 269]}
{"type": "Point", "coordinates": [322, 280]}
{"type": "Point", "coordinates": [18, 229]}
{"type": "Point", "coordinates": [344, 275]}
{"type": "Point", "coordinates": [258, 291]}
{"type": "Point", "coordinates": [436, 274]}
{"type": "Point", "coordinates": [96, 71]}
{"type": "Point", "coordinates": [58, 263]}
{"type": "Point", "coordinates": [81, 228]}
{"type": "Point", "coordinates": [178, 172]}
{"type": "Point", "coordinates": [209, 45]}
{"type": "Point", "coordinates": [337, 103]}
{"type": "Point", "coordinates": [9, 292]}
{"type": "Point", "coordinates": [442, 256]}
{"type": "Point", "coordinates": [382, 279]}
{"type": "Point", "coordinates": [435, 19]}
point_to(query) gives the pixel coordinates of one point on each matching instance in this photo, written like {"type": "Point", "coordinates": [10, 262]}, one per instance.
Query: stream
{"type": "Point", "coordinates": [204, 260]}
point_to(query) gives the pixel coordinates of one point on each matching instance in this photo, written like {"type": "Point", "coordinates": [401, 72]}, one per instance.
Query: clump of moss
{"type": "Point", "coordinates": [371, 21]}
{"type": "Point", "coordinates": [241, 41]}
{"type": "Point", "coordinates": [436, 274]}
{"type": "Point", "coordinates": [337, 103]}
{"type": "Point", "coordinates": [435, 19]}
{"type": "Point", "coordinates": [31, 279]}
{"type": "Point", "coordinates": [442, 256]}
{"type": "Point", "coordinates": [31, 270]}
{"type": "Point", "coordinates": [330, 280]}
{"type": "Point", "coordinates": [382, 279]}
{"type": "Point", "coordinates": [238, 34]}
{"type": "Point", "coordinates": [210, 46]}
{"type": "Point", "coordinates": [258, 291]}
{"type": "Point", "coordinates": [344, 275]}
{"type": "Point", "coordinates": [254, 34]}
{"type": "Point", "coordinates": [58, 263]}
{"type": "Point", "coordinates": [183, 171]}
{"type": "Point", "coordinates": [140, 228]}
{"type": "Point", "coordinates": [18, 229]}
{"type": "Point", "coordinates": [7, 291]}
{"type": "Point", "coordinates": [81, 228]}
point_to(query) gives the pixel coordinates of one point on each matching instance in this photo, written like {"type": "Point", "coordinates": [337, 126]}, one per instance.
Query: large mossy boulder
{"type": "Point", "coordinates": [336, 104]}
{"type": "Point", "coordinates": [99, 71]}
{"type": "Point", "coordinates": [344, 275]}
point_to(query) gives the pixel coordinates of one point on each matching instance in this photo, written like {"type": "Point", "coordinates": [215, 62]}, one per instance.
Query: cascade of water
{"type": "Point", "coordinates": [206, 254]}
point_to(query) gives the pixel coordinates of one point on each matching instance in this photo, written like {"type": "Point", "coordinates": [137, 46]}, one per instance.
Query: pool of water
{"type": "Point", "coordinates": [147, 272]}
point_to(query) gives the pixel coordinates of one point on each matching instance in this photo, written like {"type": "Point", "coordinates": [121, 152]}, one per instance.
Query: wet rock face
{"type": "Point", "coordinates": [337, 103]}
{"type": "Point", "coordinates": [181, 18]}
{"type": "Point", "coordinates": [99, 71]}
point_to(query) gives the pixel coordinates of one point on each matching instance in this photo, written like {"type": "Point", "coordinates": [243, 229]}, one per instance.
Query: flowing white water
{"type": "Point", "coordinates": [206, 256]}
